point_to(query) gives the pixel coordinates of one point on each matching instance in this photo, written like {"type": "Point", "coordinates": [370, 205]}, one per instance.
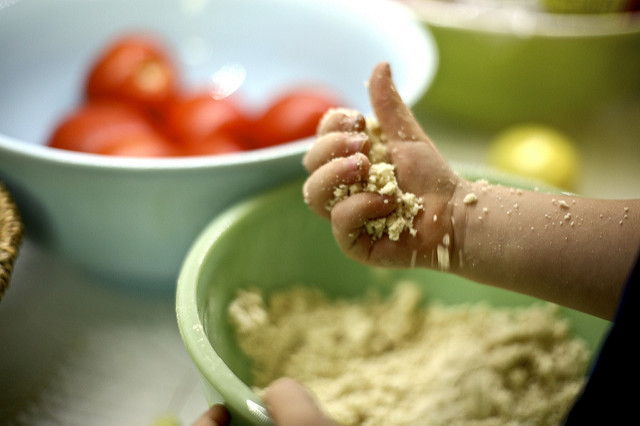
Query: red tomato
{"type": "Point", "coordinates": [106, 127]}
{"type": "Point", "coordinates": [294, 115]}
{"type": "Point", "coordinates": [218, 143]}
{"type": "Point", "coordinates": [146, 145]}
{"type": "Point", "coordinates": [200, 116]}
{"type": "Point", "coordinates": [133, 69]}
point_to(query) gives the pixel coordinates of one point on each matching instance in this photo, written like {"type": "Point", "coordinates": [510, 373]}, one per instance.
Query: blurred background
{"type": "Point", "coordinates": [566, 67]}
{"type": "Point", "coordinates": [549, 89]}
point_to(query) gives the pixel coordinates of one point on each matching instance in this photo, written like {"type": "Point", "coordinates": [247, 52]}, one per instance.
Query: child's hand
{"type": "Point", "coordinates": [339, 156]}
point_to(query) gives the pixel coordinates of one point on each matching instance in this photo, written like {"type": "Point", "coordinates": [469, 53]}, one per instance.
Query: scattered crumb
{"type": "Point", "coordinates": [414, 255]}
{"type": "Point", "coordinates": [470, 198]}
{"type": "Point", "coordinates": [442, 255]}
{"type": "Point", "coordinates": [563, 203]}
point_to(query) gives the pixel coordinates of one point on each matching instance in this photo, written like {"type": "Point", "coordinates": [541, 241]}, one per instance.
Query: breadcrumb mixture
{"type": "Point", "coordinates": [382, 179]}
{"type": "Point", "coordinates": [395, 362]}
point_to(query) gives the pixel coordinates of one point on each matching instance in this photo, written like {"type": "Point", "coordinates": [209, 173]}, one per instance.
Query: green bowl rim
{"type": "Point", "coordinates": [510, 20]}
{"type": "Point", "coordinates": [192, 329]}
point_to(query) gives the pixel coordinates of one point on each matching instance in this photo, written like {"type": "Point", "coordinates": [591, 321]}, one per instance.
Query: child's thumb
{"type": "Point", "coordinates": [394, 117]}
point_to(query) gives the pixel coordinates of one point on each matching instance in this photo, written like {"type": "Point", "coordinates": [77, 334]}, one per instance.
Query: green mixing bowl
{"type": "Point", "coordinates": [500, 65]}
{"type": "Point", "coordinates": [273, 241]}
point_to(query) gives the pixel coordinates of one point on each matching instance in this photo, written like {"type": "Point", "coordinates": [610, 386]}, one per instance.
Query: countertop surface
{"type": "Point", "coordinates": [76, 351]}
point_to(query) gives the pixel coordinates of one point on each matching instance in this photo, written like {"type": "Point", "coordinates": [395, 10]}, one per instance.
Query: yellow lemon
{"type": "Point", "coordinates": [538, 152]}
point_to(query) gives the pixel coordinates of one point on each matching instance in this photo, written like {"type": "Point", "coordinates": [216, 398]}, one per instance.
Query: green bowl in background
{"type": "Point", "coordinates": [499, 66]}
{"type": "Point", "coordinates": [273, 241]}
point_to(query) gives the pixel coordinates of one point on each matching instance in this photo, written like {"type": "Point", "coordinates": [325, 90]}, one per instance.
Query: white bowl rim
{"type": "Point", "coordinates": [505, 19]}
{"type": "Point", "coordinates": [46, 154]}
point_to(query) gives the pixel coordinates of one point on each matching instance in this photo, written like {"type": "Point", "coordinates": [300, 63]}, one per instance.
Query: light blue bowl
{"type": "Point", "coordinates": [132, 220]}
{"type": "Point", "coordinates": [273, 241]}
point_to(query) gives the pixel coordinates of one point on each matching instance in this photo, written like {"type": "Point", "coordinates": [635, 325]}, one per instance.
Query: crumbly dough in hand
{"type": "Point", "coordinates": [382, 180]}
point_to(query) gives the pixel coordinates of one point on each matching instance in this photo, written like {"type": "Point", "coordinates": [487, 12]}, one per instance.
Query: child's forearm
{"type": "Point", "coordinates": [573, 251]}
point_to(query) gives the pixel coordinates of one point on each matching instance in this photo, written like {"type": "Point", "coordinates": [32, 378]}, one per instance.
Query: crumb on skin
{"type": "Point", "coordinates": [470, 198]}
{"type": "Point", "coordinates": [442, 255]}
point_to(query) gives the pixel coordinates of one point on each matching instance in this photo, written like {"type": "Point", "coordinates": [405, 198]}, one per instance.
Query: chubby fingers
{"type": "Point", "coordinates": [291, 404]}
{"type": "Point", "coordinates": [318, 188]}
{"type": "Point", "coordinates": [334, 145]}
{"type": "Point", "coordinates": [216, 415]}
{"type": "Point", "coordinates": [349, 217]}
{"type": "Point", "coordinates": [341, 133]}
{"type": "Point", "coordinates": [341, 120]}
